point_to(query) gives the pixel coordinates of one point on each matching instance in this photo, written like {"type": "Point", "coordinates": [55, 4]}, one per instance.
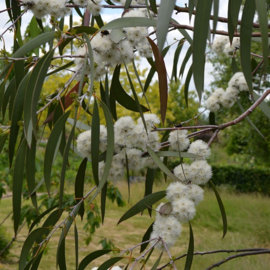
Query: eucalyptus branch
{"type": "Point", "coordinates": [213, 137]}
{"type": "Point", "coordinates": [217, 251]}
{"type": "Point", "coordinates": [168, 252]}
{"type": "Point", "coordinates": [219, 19]}
{"type": "Point", "coordinates": [251, 253]}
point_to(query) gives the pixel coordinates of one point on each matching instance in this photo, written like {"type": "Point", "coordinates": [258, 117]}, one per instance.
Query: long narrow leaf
{"type": "Point", "coordinates": [92, 256]}
{"type": "Point", "coordinates": [106, 265]}
{"type": "Point", "coordinates": [190, 252]}
{"type": "Point", "coordinates": [263, 105]}
{"type": "Point", "coordinates": [146, 237]}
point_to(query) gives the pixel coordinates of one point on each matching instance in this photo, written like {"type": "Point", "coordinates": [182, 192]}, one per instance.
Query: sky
{"type": "Point", "coordinates": [110, 14]}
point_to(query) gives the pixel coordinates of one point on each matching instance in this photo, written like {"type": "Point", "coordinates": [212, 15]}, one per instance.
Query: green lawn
{"type": "Point", "coordinates": [248, 227]}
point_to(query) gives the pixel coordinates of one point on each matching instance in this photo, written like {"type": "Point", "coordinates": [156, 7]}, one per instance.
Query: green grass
{"type": "Point", "coordinates": [248, 227]}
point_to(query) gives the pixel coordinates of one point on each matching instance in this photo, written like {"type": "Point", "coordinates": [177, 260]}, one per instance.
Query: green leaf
{"type": "Point", "coordinates": [95, 133]}
{"type": "Point", "coordinates": [129, 22]}
{"type": "Point", "coordinates": [185, 60]}
{"type": "Point", "coordinates": [11, 89]}
{"type": "Point", "coordinates": [190, 252]}
{"type": "Point", "coordinates": [153, 6]}
{"type": "Point", "coordinates": [64, 166]}
{"type": "Point", "coordinates": [113, 106]}
{"type": "Point", "coordinates": [32, 94]}
{"type": "Point", "coordinates": [99, 21]}
{"type": "Point", "coordinates": [27, 245]}
{"type": "Point", "coordinates": [176, 58]}
{"type": "Point", "coordinates": [187, 82]}
{"type": "Point", "coordinates": [34, 32]}
{"type": "Point", "coordinates": [143, 204]}
{"type": "Point", "coordinates": [52, 148]}
{"type": "Point", "coordinates": [128, 177]}
{"type": "Point", "coordinates": [127, 4]}
{"type": "Point", "coordinates": [34, 43]}
{"type": "Point", "coordinates": [190, 8]}
{"type": "Point", "coordinates": [222, 209]}
{"type": "Point", "coordinates": [263, 105]}
{"type": "Point", "coordinates": [149, 181]}
{"type": "Point", "coordinates": [76, 238]}
{"type": "Point", "coordinates": [17, 185]}
{"type": "Point", "coordinates": [175, 154]}
{"type": "Point", "coordinates": [163, 21]}
{"type": "Point", "coordinates": [234, 66]}
{"type": "Point", "coordinates": [263, 20]}
{"type": "Point", "coordinates": [103, 196]}
{"type": "Point", "coordinates": [61, 255]}
{"type": "Point", "coordinates": [17, 116]}
{"type": "Point", "coordinates": [91, 257]}
{"type": "Point", "coordinates": [2, 141]}
{"type": "Point", "coordinates": [201, 26]}
{"type": "Point", "coordinates": [162, 79]}
{"type": "Point", "coordinates": [245, 40]}
{"type": "Point", "coordinates": [120, 94]}
{"type": "Point", "coordinates": [78, 124]}
{"type": "Point", "coordinates": [18, 68]}
{"type": "Point", "coordinates": [30, 166]}
{"type": "Point", "coordinates": [149, 78]}
{"type": "Point", "coordinates": [233, 11]}
{"type": "Point", "coordinates": [248, 119]}
{"type": "Point", "coordinates": [106, 265]}
{"type": "Point", "coordinates": [212, 118]}
{"type": "Point", "coordinates": [79, 185]}
{"type": "Point", "coordinates": [160, 164]}
{"type": "Point", "coordinates": [110, 149]}
{"type": "Point", "coordinates": [37, 220]}
{"type": "Point", "coordinates": [157, 262]}
{"type": "Point", "coordinates": [216, 9]}
{"type": "Point", "coordinates": [146, 237]}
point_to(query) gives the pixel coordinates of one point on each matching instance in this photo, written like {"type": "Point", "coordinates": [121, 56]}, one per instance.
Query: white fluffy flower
{"type": "Point", "coordinates": [182, 172]}
{"type": "Point", "coordinates": [124, 126]}
{"type": "Point", "coordinates": [218, 93]}
{"type": "Point", "coordinates": [178, 140]}
{"type": "Point", "coordinates": [176, 190]}
{"type": "Point", "coordinates": [201, 172]}
{"type": "Point", "coordinates": [219, 44]}
{"type": "Point", "coordinates": [134, 159]}
{"type": "Point", "coordinates": [238, 80]}
{"type": "Point", "coordinates": [228, 100]}
{"type": "Point", "coordinates": [94, 7]}
{"type": "Point", "coordinates": [84, 143]}
{"type": "Point", "coordinates": [183, 209]}
{"type": "Point", "coordinates": [195, 193]}
{"type": "Point", "coordinates": [200, 148]}
{"type": "Point", "coordinates": [117, 170]}
{"type": "Point", "coordinates": [212, 104]}
{"type": "Point", "coordinates": [150, 120]}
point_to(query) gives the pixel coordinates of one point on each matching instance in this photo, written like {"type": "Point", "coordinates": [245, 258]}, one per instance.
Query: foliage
{"type": "Point", "coordinates": [40, 121]}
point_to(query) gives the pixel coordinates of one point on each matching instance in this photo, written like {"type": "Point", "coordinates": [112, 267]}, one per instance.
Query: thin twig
{"type": "Point", "coordinates": [213, 137]}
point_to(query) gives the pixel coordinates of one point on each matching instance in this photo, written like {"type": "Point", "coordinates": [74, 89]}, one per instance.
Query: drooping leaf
{"type": "Point", "coordinates": [245, 40]}
{"type": "Point", "coordinates": [61, 68]}
{"type": "Point", "coordinates": [163, 21]}
{"type": "Point", "coordinates": [190, 252]}
{"type": "Point", "coordinates": [146, 237]}
{"type": "Point", "coordinates": [175, 59]}
{"type": "Point", "coordinates": [149, 181]}
{"type": "Point", "coordinates": [154, 267]}
{"type": "Point", "coordinates": [79, 185]}
{"type": "Point", "coordinates": [34, 43]}
{"type": "Point", "coordinates": [128, 177]}
{"type": "Point", "coordinates": [61, 255]}
{"type": "Point", "coordinates": [91, 257]}
{"type": "Point", "coordinates": [186, 58]}
{"type": "Point", "coordinates": [106, 265]}
{"type": "Point", "coordinates": [162, 79]}
{"type": "Point", "coordinates": [99, 21]}
{"type": "Point", "coordinates": [103, 197]}
{"type": "Point", "coordinates": [201, 25]}
{"type": "Point", "coordinates": [234, 66]}
{"type": "Point", "coordinates": [27, 245]}
{"type": "Point", "coordinates": [153, 6]}
{"type": "Point", "coordinates": [187, 82]}
{"type": "Point", "coordinates": [190, 8]}
{"type": "Point", "coordinates": [129, 22]}
{"type": "Point", "coordinates": [160, 164]}
{"type": "Point", "coordinates": [143, 204]}
{"type": "Point", "coordinates": [120, 94]}
{"type": "Point", "coordinates": [127, 4]}
{"type": "Point", "coordinates": [11, 89]}
{"type": "Point", "coordinates": [215, 20]}
{"type": "Point", "coordinates": [263, 20]}
{"type": "Point", "coordinates": [3, 138]}
{"type": "Point", "coordinates": [212, 118]}
{"type": "Point", "coordinates": [34, 31]}
{"type": "Point", "coordinates": [76, 238]}
{"type": "Point", "coordinates": [52, 148]}
{"type": "Point", "coordinates": [233, 11]}
{"type": "Point", "coordinates": [95, 133]}
{"type": "Point", "coordinates": [222, 209]}
{"type": "Point", "coordinates": [79, 124]}
{"type": "Point", "coordinates": [18, 184]}
{"type": "Point", "coordinates": [175, 154]}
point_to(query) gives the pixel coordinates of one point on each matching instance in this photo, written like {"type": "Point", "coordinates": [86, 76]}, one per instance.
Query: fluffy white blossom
{"type": "Point", "coordinates": [183, 209]}
{"type": "Point", "coordinates": [176, 190]}
{"type": "Point", "coordinates": [84, 143]}
{"type": "Point", "coordinates": [201, 172]}
{"type": "Point", "coordinates": [219, 44]}
{"type": "Point", "coordinates": [195, 193]}
{"type": "Point", "coordinates": [200, 148]}
{"type": "Point", "coordinates": [182, 172]}
{"type": "Point", "coordinates": [238, 81]}
{"type": "Point", "coordinates": [228, 100]}
{"type": "Point", "coordinates": [150, 120]}
{"type": "Point", "coordinates": [212, 104]}
{"type": "Point", "coordinates": [134, 159]}
{"type": "Point", "coordinates": [230, 49]}
{"type": "Point", "coordinates": [178, 140]}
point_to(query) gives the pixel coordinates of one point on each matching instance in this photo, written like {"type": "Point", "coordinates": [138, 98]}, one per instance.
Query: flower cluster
{"type": "Point", "coordinates": [182, 195]}
{"type": "Point", "coordinates": [227, 98]}
{"type": "Point", "coordinates": [40, 8]}
{"type": "Point", "coordinates": [130, 141]}
{"type": "Point", "coordinates": [222, 44]}
{"type": "Point", "coordinates": [108, 53]}
{"type": "Point", "coordinates": [93, 6]}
